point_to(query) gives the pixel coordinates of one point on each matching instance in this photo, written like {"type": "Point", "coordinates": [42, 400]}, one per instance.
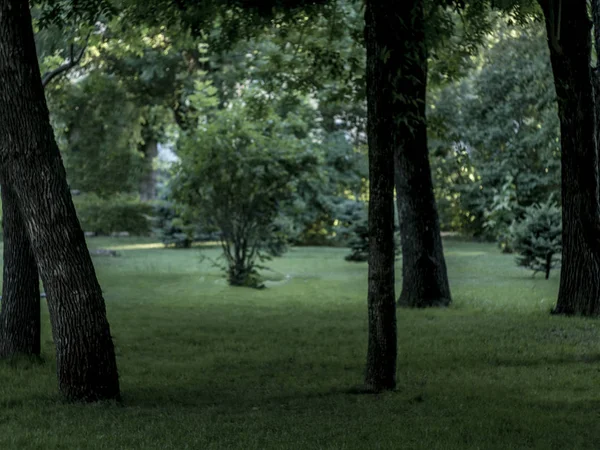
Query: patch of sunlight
{"type": "Point", "coordinates": [455, 253]}
{"type": "Point", "coordinates": [137, 246]}
{"type": "Point", "coordinates": [206, 244]}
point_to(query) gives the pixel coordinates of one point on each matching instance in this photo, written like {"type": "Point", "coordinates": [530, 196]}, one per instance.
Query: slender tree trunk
{"type": "Point", "coordinates": [20, 311]}
{"type": "Point", "coordinates": [568, 29]}
{"type": "Point", "coordinates": [148, 184]}
{"type": "Point", "coordinates": [424, 275]}
{"type": "Point", "coordinates": [32, 165]}
{"type": "Point", "coordinates": [381, 34]}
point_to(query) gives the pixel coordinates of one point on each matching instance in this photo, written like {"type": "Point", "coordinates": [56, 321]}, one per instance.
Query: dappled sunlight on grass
{"type": "Point", "coordinates": [149, 246]}
{"type": "Point", "coordinates": [466, 254]}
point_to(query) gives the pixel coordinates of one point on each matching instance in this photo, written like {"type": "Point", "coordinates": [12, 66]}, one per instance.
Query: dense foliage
{"type": "Point", "coordinates": [492, 123]}
{"type": "Point", "coordinates": [235, 175]}
{"type": "Point", "coordinates": [113, 215]}
{"type": "Point", "coordinates": [494, 136]}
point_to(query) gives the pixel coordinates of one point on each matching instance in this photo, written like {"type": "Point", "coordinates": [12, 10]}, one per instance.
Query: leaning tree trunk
{"type": "Point", "coordinates": [381, 31]}
{"type": "Point", "coordinates": [20, 309]}
{"type": "Point", "coordinates": [32, 166]}
{"type": "Point", "coordinates": [568, 29]}
{"type": "Point", "coordinates": [424, 275]}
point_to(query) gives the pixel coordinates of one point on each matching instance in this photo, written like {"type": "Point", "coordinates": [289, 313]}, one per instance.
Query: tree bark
{"type": "Point", "coordinates": [596, 72]}
{"type": "Point", "coordinates": [20, 311]}
{"type": "Point", "coordinates": [568, 29]}
{"type": "Point", "coordinates": [380, 32]}
{"type": "Point", "coordinates": [33, 167]}
{"type": "Point", "coordinates": [148, 183]}
{"type": "Point", "coordinates": [424, 274]}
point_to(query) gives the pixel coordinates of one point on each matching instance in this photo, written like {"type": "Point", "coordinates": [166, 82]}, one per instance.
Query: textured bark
{"type": "Point", "coordinates": [596, 70]}
{"type": "Point", "coordinates": [20, 310]}
{"type": "Point", "coordinates": [380, 30]}
{"type": "Point", "coordinates": [424, 275]}
{"type": "Point", "coordinates": [568, 29]}
{"type": "Point", "coordinates": [148, 183]}
{"type": "Point", "coordinates": [32, 166]}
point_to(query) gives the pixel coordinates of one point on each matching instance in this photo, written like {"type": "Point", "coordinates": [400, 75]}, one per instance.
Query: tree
{"type": "Point", "coordinates": [494, 135]}
{"type": "Point", "coordinates": [382, 35]}
{"type": "Point", "coordinates": [537, 238]}
{"type": "Point", "coordinates": [20, 309]}
{"type": "Point", "coordinates": [424, 274]}
{"type": "Point", "coordinates": [99, 130]}
{"type": "Point", "coordinates": [568, 34]}
{"type": "Point", "coordinates": [32, 166]}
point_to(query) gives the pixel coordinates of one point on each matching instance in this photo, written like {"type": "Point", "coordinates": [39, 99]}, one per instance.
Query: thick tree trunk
{"type": "Point", "coordinates": [569, 41]}
{"type": "Point", "coordinates": [596, 71]}
{"type": "Point", "coordinates": [20, 310]}
{"type": "Point", "coordinates": [424, 275]}
{"type": "Point", "coordinates": [380, 34]}
{"type": "Point", "coordinates": [33, 167]}
{"type": "Point", "coordinates": [148, 183]}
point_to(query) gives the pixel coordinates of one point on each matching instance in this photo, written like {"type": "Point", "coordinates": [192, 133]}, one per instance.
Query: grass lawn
{"type": "Point", "coordinates": [207, 366]}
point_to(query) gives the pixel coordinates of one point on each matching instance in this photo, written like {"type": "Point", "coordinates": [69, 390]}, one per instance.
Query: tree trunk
{"type": "Point", "coordinates": [596, 72]}
{"type": "Point", "coordinates": [568, 29]}
{"type": "Point", "coordinates": [148, 184]}
{"type": "Point", "coordinates": [32, 165]}
{"type": "Point", "coordinates": [20, 312]}
{"type": "Point", "coordinates": [381, 34]}
{"type": "Point", "coordinates": [424, 275]}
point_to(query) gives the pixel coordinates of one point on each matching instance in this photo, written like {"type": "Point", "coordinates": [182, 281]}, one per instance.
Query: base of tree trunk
{"type": "Point", "coordinates": [562, 311]}
{"type": "Point", "coordinates": [424, 281]}
{"type": "Point", "coordinates": [420, 302]}
{"type": "Point", "coordinates": [378, 386]}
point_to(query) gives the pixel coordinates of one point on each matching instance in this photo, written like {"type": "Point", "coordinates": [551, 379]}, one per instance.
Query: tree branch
{"type": "Point", "coordinates": [64, 68]}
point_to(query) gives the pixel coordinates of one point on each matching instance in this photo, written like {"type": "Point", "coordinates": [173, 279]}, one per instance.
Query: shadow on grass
{"type": "Point", "coordinates": [232, 400]}
{"type": "Point", "coordinates": [592, 358]}
{"type": "Point", "coordinates": [21, 361]}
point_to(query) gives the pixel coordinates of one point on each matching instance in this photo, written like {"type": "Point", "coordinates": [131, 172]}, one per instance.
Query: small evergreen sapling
{"type": "Point", "coordinates": [538, 238]}
{"type": "Point", "coordinates": [358, 241]}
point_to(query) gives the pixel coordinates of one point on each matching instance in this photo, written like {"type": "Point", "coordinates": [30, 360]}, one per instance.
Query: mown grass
{"type": "Point", "coordinates": [207, 366]}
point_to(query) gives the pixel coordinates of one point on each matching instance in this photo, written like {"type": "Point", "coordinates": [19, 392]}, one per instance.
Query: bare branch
{"type": "Point", "coordinates": [64, 68]}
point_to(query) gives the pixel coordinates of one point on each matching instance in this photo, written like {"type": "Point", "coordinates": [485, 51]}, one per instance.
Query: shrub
{"type": "Point", "coordinates": [538, 238]}
{"type": "Point", "coordinates": [234, 176]}
{"type": "Point", "coordinates": [114, 214]}
{"type": "Point", "coordinates": [172, 230]}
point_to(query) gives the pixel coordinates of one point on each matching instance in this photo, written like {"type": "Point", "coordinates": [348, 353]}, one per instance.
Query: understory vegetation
{"type": "Point", "coordinates": [204, 365]}
{"type": "Point", "coordinates": [493, 133]}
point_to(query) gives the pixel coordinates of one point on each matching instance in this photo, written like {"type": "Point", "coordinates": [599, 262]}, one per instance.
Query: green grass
{"type": "Point", "coordinates": [207, 366]}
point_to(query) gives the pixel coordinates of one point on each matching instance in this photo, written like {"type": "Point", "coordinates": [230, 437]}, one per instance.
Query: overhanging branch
{"type": "Point", "coordinates": [64, 68]}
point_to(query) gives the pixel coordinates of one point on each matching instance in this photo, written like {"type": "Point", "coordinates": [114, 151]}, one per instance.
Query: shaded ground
{"type": "Point", "coordinates": [206, 366]}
